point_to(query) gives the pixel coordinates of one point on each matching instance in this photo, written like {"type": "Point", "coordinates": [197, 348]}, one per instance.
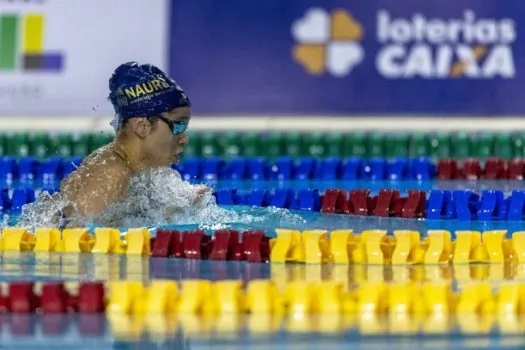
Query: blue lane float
{"type": "Point", "coordinates": [28, 170]}
{"type": "Point", "coordinates": [286, 168]}
{"type": "Point", "coordinates": [464, 205]}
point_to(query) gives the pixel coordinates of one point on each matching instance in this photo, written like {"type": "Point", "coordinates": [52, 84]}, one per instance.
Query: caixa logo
{"type": "Point", "coordinates": [328, 42]}
{"type": "Point", "coordinates": [468, 47]}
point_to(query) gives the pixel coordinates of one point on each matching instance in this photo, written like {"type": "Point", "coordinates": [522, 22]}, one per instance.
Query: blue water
{"type": "Point", "coordinates": [314, 220]}
{"type": "Point", "coordinates": [100, 332]}
{"type": "Point", "coordinates": [334, 221]}
{"type": "Point", "coordinates": [96, 332]}
{"type": "Point", "coordinates": [403, 186]}
{"type": "Point", "coordinates": [268, 220]}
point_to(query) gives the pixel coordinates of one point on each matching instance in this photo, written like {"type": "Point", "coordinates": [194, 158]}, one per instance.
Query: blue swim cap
{"type": "Point", "coordinates": [144, 91]}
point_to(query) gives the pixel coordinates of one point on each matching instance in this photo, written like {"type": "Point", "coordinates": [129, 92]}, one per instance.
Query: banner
{"type": "Point", "coordinates": [56, 57]}
{"type": "Point", "coordinates": [406, 57]}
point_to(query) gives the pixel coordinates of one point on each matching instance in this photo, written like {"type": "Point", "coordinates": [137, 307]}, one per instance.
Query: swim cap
{"type": "Point", "coordinates": [144, 90]}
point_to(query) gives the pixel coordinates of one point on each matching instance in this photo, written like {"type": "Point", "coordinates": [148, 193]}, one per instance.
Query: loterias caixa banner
{"type": "Point", "coordinates": [350, 57]}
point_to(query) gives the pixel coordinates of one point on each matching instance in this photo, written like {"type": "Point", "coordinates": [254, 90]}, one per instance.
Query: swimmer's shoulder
{"type": "Point", "coordinates": [100, 183]}
{"type": "Point", "coordinates": [107, 152]}
{"type": "Point", "coordinates": [102, 164]}
{"type": "Point", "coordinates": [110, 164]}
{"type": "Point", "coordinates": [104, 157]}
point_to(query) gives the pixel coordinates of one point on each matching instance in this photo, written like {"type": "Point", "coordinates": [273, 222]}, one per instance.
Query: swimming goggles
{"type": "Point", "coordinates": [177, 127]}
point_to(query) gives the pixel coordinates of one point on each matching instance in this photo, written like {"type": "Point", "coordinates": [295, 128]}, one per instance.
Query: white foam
{"type": "Point", "coordinates": [157, 197]}
{"type": "Point", "coordinates": [46, 211]}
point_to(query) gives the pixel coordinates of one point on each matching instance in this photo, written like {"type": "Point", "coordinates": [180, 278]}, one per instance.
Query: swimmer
{"type": "Point", "coordinates": [152, 114]}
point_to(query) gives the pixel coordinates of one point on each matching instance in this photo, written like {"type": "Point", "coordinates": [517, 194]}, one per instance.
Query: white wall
{"type": "Point", "coordinates": [300, 123]}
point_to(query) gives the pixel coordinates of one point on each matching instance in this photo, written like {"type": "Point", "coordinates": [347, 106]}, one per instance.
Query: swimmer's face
{"type": "Point", "coordinates": [164, 146]}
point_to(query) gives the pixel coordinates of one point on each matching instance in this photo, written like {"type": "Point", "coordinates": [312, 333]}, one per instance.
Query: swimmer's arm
{"type": "Point", "coordinates": [100, 189]}
{"type": "Point", "coordinates": [201, 191]}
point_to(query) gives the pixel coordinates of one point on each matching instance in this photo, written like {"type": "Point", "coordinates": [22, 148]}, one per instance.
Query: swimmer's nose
{"type": "Point", "coordinates": [184, 139]}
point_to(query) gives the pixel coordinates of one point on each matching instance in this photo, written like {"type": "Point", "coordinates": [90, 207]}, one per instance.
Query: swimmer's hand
{"type": "Point", "coordinates": [203, 190]}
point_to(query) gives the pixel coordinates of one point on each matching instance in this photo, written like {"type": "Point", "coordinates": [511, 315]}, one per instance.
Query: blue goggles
{"type": "Point", "coordinates": [176, 127]}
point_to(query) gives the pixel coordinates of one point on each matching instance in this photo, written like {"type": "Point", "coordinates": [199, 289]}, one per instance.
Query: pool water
{"type": "Point", "coordinates": [269, 219]}
{"type": "Point", "coordinates": [507, 186]}
{"type": "Point", "coordinates": [248, 332]}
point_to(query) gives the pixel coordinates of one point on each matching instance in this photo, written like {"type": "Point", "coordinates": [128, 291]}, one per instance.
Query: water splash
{"type": "Point", "coordinates": [161, 197]}
{"type": "Point", "coordinates": [156, 198]}
{"type": "Point", "coordinates": [46, 211]}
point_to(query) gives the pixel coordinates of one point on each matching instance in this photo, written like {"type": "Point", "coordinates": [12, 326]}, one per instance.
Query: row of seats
{"type": "Point", "coordinates": [273, 144]}
{"type": "Point", "coordinates": [262, 297]}
{"type": "Point", "coordinates": [342, 246]}
{"type": "Point", "coordinates": [349, 169]}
